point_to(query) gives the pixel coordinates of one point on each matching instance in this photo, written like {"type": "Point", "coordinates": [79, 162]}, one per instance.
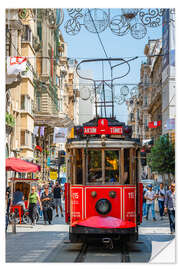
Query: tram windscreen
{"type": "Point", "coordinates": [111, 166]}
{"type": "Point", "coordinates": [94, 166]}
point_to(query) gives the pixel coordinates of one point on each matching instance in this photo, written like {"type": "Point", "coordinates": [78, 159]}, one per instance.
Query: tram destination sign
{"type": "Point", "coordinates": [103, 128]}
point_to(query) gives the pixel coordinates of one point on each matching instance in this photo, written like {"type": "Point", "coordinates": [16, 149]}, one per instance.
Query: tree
{"type": "Point", "coordinates": [162, 157]}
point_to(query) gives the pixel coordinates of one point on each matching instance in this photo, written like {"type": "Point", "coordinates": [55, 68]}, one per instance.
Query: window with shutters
{"type": "Point", "coordinates": [26, 104]}
{"type": "Point", "coordinates": [27, 34]}
{"type": "Point", "coordinates": [26, 139]}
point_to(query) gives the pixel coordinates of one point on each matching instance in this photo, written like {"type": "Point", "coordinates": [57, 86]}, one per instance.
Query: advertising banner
{"type": "Point", "coordinates": [60, 135]}
{"type": "Point", "coordinates": [170, 124]}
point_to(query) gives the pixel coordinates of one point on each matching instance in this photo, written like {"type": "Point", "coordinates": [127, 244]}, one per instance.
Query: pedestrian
{"type": "Point", "coordinates": [38, 205]}
{"type": "Point", "coordinates": [150, 197]}
{"type": "Point", "coordinates": [47, 202]}
{"type": "Point", "coordinates": [18, 199]}
{"type": "Point", "coordinates": [32, 204]}
{"type": "Point", "coordinates": [161, 197]}
{"type": "Point", "coordinates": [8, 197]}
{"type": "Point", "coordinates": [144, 202]}
{"type": "Point", "coordinates": [57, 198]}
{"type": "Point", "coordinates": [169, 206]}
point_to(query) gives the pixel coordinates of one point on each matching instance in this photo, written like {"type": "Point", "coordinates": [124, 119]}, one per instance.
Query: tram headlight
{"type": "Point", "coordinates": [103, 206]}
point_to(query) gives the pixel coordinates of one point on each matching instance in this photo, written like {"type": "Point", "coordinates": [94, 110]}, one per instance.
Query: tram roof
{"type": "Point", "coordinates": [102, 143]}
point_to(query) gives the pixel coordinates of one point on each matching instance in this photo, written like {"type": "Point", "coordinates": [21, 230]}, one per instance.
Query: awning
{"type": "Point", "coordinates": [19, 165]}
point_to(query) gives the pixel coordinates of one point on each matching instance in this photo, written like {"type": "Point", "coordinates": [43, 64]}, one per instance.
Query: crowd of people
{"type": "Point", "coordinates": [166, 203]}
{"type": "Point", "coordinates": [47, 198]}
{"type": "Point", "coordinates": [41, 202]}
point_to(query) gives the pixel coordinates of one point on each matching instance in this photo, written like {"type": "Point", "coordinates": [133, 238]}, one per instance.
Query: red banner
{"type": "Point", "coordinates": [154, 124]}
{"type": "Point", "coordinates": [103, 128]}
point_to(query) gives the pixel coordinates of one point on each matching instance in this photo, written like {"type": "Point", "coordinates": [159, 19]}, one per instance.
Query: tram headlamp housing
{"type": "Point", "coordinates": [93, 194]}
{"type": "Point", "coordinates": [112, 194]}
{"type": "Point", "coordinates": [103, 206]}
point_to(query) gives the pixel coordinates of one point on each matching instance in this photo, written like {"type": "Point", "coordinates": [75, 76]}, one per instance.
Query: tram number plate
{"type": "Point", "coordinates": [76, 204]}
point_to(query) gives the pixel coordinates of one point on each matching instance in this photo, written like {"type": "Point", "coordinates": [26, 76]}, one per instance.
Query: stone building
{"type": "Point", "coordinates": [44, 94]}
{"type": "Point", "coordinates": [20, 41]}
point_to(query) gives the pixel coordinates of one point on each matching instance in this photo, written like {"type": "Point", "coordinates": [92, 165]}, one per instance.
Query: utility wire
{"type": "Point", "coordinates": [99, 37]}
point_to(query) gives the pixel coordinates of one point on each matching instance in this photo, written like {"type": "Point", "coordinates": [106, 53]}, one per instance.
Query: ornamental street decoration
{"type": "Point", "coordinates": [129, 21]}
{"type": "Point", "coordinates": [96, 20]}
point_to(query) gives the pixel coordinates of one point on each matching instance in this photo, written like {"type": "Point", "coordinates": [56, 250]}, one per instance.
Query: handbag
{"type": "Point", "coordinates": [52, 204]}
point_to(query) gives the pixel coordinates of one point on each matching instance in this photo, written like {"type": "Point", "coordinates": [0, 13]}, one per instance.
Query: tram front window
{"type": "Point", "coordinates": [111, 166]}
{"type": "Point", "coordinates": [94, 166]}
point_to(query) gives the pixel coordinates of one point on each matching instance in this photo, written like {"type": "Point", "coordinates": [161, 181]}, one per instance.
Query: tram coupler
{"type": "Point", "coordinates": [108, 242]}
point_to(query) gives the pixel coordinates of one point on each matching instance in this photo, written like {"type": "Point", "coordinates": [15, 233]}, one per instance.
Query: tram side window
{"type": "Point", "coordinates": [111, 166]}
{"type": "Point", "coordinates": [126, 166]}
{"type": "Point", "coordinates": [94, 166]}
{"type": "Point", "coordinates": [79, 176]}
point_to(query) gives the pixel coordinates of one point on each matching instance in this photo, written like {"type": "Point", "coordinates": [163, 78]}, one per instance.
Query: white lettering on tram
{"type": "Point", "coordinates": [131, 195]}
{"type": "Point", "coordinates": [90, 130]}
{"type": "Point", "coordinates": [75, 195]}
{"type": "Point", "coordinates": [116, 130]}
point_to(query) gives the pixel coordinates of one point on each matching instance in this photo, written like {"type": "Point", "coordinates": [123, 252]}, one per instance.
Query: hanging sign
{"type": "Point", "coordinates": [53, 175]}
{"type": "Point", "coordinates": [103, 128]}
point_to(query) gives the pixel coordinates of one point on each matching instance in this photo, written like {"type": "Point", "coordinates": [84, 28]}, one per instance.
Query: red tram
{"type": "Point", "coordinates": [103, 198]}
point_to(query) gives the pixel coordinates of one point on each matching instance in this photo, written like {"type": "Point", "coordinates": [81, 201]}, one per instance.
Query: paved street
{"type": "Point", "coordinates": [45, 243]}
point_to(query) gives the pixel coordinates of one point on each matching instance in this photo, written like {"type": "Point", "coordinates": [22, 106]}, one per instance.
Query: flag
{"type": "Point", "coordinates": [35, 132]}
{"type": "Point", "coordinates": [16, 64]}
{"type": "Point", "coordinates": [154, 124]}
{"type": "Point", "coordinates": [60, 135]}
{"type": "Point", "coordinates": [42, 131]}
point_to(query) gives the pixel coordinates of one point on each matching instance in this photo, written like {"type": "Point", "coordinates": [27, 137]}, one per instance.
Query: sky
{"type": "Point", "coordinates": [86, 44]}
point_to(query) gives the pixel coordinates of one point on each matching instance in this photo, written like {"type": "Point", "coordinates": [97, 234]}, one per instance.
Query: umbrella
{"type": "Point", "coordinates": [19, 165]}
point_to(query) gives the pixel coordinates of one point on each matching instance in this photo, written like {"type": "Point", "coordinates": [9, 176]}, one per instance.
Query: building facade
{"type": "Point", "coordinates": [45, 94]}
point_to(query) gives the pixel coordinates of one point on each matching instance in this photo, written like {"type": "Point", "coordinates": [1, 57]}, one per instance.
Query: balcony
{"type": "Point", "coordinates": [12, 18]}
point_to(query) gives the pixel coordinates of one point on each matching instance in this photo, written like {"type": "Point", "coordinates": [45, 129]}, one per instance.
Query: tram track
{"type": "Point", "coordinates": [120, 254]}
{"type": "Point", "coordinates": [81, 256]}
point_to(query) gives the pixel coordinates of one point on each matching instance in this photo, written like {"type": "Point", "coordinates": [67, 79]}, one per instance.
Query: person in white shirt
{"type": "Point", "coordinates": [150, 197]}
{"type": "Point", "coordinates": [161, 196]}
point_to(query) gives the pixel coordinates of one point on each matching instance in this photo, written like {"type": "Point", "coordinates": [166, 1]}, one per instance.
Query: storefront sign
{"type": "Point", "coordinates": [53, 175]}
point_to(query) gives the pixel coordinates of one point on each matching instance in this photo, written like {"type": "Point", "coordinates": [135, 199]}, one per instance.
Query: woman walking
{"type": "Point", "coordinates": [47, 200]}
{"type": "Point", "coordinates": [32, 204]}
